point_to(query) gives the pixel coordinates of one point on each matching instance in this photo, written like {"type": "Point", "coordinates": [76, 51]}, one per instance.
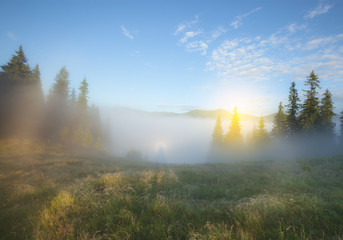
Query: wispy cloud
{"type": "Point", "coordinates": [320, 9]}
{"type": "Point", "coordinates": [293, 27]}
{"type": "Point", "coordinates": [197, 46]}
{"type": "Point", "coordinates": [126, 33]}
{"type": "Point", "coordinates": [183, 26]}
{"type": "Point", "coordinates": [319, 42]}
{"type": "Point", "coordinates": [189, 35]}
{"type": "Point", "coordinates": [220, 30]}
{"type": "Point", "coordinates": [238, 20]}
{"type": "Point", "coordinates": [265, 58]}
{"type": "Point", "coordinates": [11, 36]}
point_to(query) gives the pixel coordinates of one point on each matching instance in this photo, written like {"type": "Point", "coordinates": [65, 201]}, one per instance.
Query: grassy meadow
{"type": "Point", "coordinates": [47, 193]}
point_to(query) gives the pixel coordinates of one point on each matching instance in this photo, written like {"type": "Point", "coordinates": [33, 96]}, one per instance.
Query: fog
{"type": "Point", "coordinates": [158, 137]}
{"type": "Point", "coordinates": [181, 139]}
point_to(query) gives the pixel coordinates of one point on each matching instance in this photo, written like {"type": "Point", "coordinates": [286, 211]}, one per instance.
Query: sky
{"type": "Point", "coordinates": [178, 56]}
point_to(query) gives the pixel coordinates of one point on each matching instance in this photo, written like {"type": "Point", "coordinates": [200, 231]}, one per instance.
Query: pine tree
{"type": "Point", "coordinates": [98, 145]}
{"type": "Point", "coordinates": [234, 134]}
{"type": "Point", "coordinates": [280, 123]}
{"type": "Point", "coordinates": [217, 136]}
{"type": "Point", "coordinates": [17, 68]}
{"type": "Point", "coordinates": [261, 132]}
{"type": "Point", "coordinates": [341, 125]}
{"type": "Point", "coordinates": [37, 83]}
{"type": "Point", "coordinates": [309, 115]}
{"type": "Point", "coordinates": [73, 98]}
{"type": "Point", "coordinates": [83, 96]}
{"type": "Point", "coordinates": [61, 87]}
{"type": "Point", "coordinates": [292, 111]}
{"type": "Point", "coordinates": [326, 113]}
{"type": "Point", "coordinates": [58, 111]}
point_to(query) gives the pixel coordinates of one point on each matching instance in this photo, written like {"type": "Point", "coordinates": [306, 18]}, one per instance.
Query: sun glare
{"type": "Point", "coordinates": [160, 146]}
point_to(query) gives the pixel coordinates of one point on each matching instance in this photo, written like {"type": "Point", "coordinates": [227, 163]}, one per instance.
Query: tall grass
{"type": "Point", "coordinates": [71, 197]}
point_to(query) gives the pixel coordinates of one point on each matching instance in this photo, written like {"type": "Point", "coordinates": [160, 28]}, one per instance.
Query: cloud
{"type": "Point", "coordinates": [197, 46]}
{"type": "Point", "coordinates": [11, 36]}
{"type": "Point", "coordinates": [320, 9]}
{"type": "Point", "coordinates": [220, 30]}
{"type": "Point", "coordinates": [292, 28]}
{"type": "Point", "coordinates": [183, 26]}
{"type": "Point", "coordinates": [126, 33]}
{"type": "Point", "coordinates": [318, 42]}
{"type": "Point", "coordinates": [273, 57]}
{"type": "Point", "coordinates": [238, 20]}
{"type": "Point", "coordinates": [189, 35]}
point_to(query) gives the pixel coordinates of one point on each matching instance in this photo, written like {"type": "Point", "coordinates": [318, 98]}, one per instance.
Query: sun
{"type": "Point", "coordinates": [242, 98]}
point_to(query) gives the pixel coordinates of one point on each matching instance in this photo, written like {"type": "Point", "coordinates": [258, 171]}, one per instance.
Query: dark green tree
{"type": "Point", "coordinates": [341, 125]}
{"type": "Point", "coordinates": [309, 115]}
{"type": "Point", "coordinates": [326, 113]}
{"type": "Point", "coordinates": [17, 69]}
{"type": "Point", "coordinates": [61, 87]}
{"type": "Point", "coordinates": [37, 84]}
{"type": "Point", "coordinates": [217, 136]}
{"type": "Point", "coordinates": [292, 110]}
{"type": "Point", "coordinates": [82, 101]}
{"type": "Point", "coordinates": [58, 108]}
{"type": "Point", "coordinates": [280, 123]}
{"type": "Point", "coordinates": [234, 135]}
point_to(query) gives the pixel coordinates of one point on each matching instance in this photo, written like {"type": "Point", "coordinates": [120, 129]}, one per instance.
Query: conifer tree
{"type": "Point", "coordinates": [280, 123]}
{"type": "Point", "coordinates": [61, 87]}
{"type": "Point", "coordinates": [217, 136]}
{"type": "Point", "coordinates": [341, 125]}
{"type": "Point", "coordinates": [98, 145]}
{"type": "Point", "coordinates": [58, 112]}
{"type": "Point", "coordinates": [309, 115]}
{"type": "Point", "coordinates": [292, 111]}
{"type": "Point", "coordinates": [234, 134]}
{"type": "Point", "coordinates": [17, 68]}
{"type": "Point", "coordinates": [261, 132]}
{"type": "Point", "coordinates": [73, 98]}
{"type": "Point", "coordinates": [37, 83]}
{"type": "Point", "coordinates": [82, 101]}
{"type": "Point", "coordinates": [326, 113]}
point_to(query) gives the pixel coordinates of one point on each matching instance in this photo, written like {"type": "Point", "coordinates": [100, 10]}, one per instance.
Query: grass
{"type": "Point", "coordinates": [49, 194]}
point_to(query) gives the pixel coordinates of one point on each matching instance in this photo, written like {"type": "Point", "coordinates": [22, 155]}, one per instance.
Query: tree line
{"type": "Point", "coordinates": [311, 119]}
{"type": "Point", "coordinates": [63, 117]}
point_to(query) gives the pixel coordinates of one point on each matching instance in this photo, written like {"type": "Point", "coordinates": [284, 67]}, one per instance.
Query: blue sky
{"type": "Point", "coordinates": [181, 55]}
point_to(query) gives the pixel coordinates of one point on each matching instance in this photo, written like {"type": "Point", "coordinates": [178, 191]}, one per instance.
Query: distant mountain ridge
{"type": "Point", "coordinates": [198, 113]}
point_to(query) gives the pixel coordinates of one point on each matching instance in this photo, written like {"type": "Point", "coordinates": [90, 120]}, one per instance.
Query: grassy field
{"type": "Point", "coordinates": [46, 193]}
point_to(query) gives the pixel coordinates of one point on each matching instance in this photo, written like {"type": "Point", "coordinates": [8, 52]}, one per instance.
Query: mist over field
{"type": "Point", "coordinates": [185, 138]}
{"type": "Point", "coordinates": [163, 120]}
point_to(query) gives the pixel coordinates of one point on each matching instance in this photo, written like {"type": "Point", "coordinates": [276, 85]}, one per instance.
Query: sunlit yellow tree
{"type": "Point", "coordinates": [234, 135]}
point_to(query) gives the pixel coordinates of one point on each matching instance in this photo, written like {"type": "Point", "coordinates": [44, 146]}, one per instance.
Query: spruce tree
{"type": "Point", "coordinates": [262, 134]}
{"type": "Point", "coordinates": [326, 114]}
{"type": "Point", "coordinates": [17, 68]}
{"type": "Point", "coordinates": [217, 136]}
{"type": "Point", "coordinates": [309, 115]}
{"type": "Point", "coordinates": [280, 123]}
{"type": "Point", "coordinates": [73, 98]}
{"type": "Point", "coordinates": [292, 111]}
{"type": "Point", "coordinates": [341, 125]}
{"type": "Point", "coordinates": [61, 87]}
{"type": "Point", "coordinates": [82, 101]}
{"type": "Point", "coordinates": [58, 111]}
{"type": "Point", "coordinates": [37, 83]}
{"type": "Point", "coordinates": [234, 134]}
